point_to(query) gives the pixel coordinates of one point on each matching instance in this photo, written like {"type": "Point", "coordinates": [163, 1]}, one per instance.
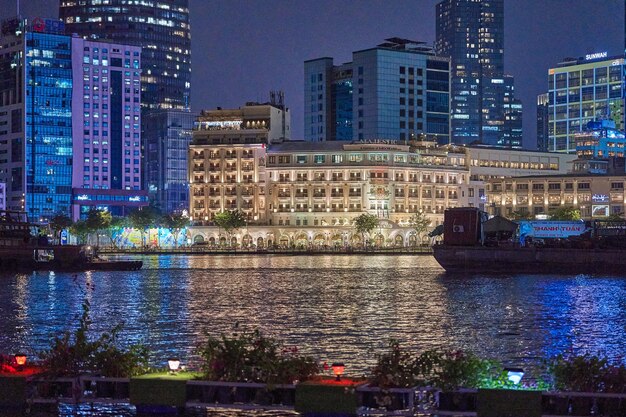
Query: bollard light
{"type": "Point", "coordinates": [338, 369]}
{"type": "Point", "coordinates": [20, 360]}
{"type": "Point", "coordinates": [514, 374]}
{"type": "Point", "coordinates": [173, 364]}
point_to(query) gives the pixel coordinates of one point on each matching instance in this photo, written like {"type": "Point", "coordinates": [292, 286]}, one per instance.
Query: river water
{"type": "Point", "coordinates": [335, 307]}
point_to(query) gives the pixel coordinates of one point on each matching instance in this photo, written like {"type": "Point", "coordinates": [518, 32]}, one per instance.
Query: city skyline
{"type": "Point", "coordinates": [226, 74]}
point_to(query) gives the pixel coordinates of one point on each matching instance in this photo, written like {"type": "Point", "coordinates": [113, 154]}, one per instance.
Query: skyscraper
{"type": "Point", "coordinates": [163, 30]}
{"type": "Point", "coordinates": [72, 117]}
{"type": "Point", "coordinates": [543, 117]}
{"type": "Point", "coordinates": [395, 90]}
{"type": "Point", "coordinates": [580, 91]}
{"type": "Point", "coordinates": [471, 33]}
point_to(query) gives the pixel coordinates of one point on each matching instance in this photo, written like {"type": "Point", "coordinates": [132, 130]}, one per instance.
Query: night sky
{"type": "Point", "coordinates": [244, 49]}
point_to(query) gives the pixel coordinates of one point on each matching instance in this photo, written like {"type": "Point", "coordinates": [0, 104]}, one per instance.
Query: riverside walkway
{"type": "Point", "coordinates": [206, 250]}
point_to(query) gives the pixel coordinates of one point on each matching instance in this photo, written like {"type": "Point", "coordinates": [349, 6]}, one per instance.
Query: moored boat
{"type": "Point", "coordinates": [466, 247]}
{"type": "Point", "coordinates": [21, 251]}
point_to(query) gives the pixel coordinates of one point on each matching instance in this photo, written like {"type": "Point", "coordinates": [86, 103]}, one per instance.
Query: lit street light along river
{"type": "Point", "coordinates": [343, 308]}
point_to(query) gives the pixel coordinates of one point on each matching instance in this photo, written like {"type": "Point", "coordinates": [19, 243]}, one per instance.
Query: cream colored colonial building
{"type": "Point", "coordinates": [308, 193]}
{"type": "Point", "coordinates": [596, 196]}
{"type": "Point", "coordinates": [487, 163]}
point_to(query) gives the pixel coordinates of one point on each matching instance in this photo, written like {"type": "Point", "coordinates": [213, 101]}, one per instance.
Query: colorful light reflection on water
{"type": "Point", "coordinates": [337, 308]}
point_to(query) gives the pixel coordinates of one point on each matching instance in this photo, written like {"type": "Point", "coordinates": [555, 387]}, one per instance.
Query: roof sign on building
{"type": "Point", "coordinates": [596, 55]}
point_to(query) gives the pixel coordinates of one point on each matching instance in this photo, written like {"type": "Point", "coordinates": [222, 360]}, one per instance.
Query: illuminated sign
{"type": "Point", "coordinates": [600, 210]}
{"type": "Point", "coordinates": [600, 198]}
{"type": "Point", "coordinates": [597, 55]}
{"type": "Point", "coordinates": [136, 198]}
{"type": "Point", "coordinates": [551, 229]}
{"type": "Point", "coordinates": [82, 197]}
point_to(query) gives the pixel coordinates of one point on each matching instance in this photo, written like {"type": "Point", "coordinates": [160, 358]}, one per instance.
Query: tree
{"type": "Point", "coordinates": [97, 219]}
{"type": "Point", "coordinates": [365, 223]}
{"type": "Point", "coordinates": [59, 222]}
{"type": "Point", "coordinates": [615, 217]}
{"type": "Point", "coordinates": [230, 221]}
{"type": "Point", "coordinates": [565, 213]}
{"type": "Point", "coordinates": [419, 222]}
{"type": "Point", "coordinates": [175, 223]}
{"type": "Point", "coordinates": [143, 219]}
{"type": "Point", "coordinates": [116, 224]}
{"type": "Point", "coordinates": [80, 230]}
{"type": "Point", "coordinates": [521, 215]}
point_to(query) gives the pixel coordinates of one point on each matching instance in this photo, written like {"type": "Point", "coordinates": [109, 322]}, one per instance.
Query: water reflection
{"type": "Point", "coordinates": [337, 308]}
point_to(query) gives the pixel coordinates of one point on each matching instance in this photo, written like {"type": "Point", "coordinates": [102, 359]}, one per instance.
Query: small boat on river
{"type": "Point", "coordinates": [21, 250]}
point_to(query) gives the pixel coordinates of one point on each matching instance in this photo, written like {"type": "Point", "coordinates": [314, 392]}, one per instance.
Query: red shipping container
{"type": "Point", "coordinates": [461, 226]}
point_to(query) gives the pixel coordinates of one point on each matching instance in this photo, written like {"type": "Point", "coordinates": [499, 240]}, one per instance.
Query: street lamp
{"type": "Point", "coordinates": [173, 364]}
{"type": "Point", "coordinates": [514, 375]}
{"type": "Point", "coordinates": [338, 369]}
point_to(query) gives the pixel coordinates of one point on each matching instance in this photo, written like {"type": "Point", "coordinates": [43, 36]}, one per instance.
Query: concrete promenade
{"type": "Point", "coordinates": [205, 250]}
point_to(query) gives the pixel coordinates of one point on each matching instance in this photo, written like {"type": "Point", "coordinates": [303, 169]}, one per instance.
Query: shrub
{"type": "Point", "coordinates": [74, 353]}
{"type": "Point", "coordinates": [587, 373]}
{"type": "Point", "coordinates": [446, 370]}
{"type": "Point", "coordinates": [252, 357]}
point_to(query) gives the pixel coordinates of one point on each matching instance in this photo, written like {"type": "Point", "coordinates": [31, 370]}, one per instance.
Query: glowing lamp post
{"type": "Point", "coordinates": [338, 369]}
{"type": "Point", "coordinates": [514, 375]}
{"type": "Point", "coordinates": [20, 360]}
{"type": "Point", "coordinates": [173, 364]}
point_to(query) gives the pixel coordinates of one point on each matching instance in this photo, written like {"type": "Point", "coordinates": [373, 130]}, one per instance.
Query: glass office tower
{"type": "Point", "coordinates": [48, 130]}
{"type": "Point", "coordinates": [395, 91]}
{"type": "Point", "coordinates": [471, 33]}
{"type": "Point", "coordinates": [580, 91]}
{"type": "Point", "coordinates": [162, 28]}
{"type": "Point", "coordinates": [69, 122]}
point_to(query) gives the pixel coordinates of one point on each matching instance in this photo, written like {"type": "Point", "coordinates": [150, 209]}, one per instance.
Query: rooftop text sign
{"type": "Point", "coordinates": [596, 55]}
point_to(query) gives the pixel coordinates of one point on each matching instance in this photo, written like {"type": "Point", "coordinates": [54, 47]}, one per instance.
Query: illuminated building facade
{"type": "Point", "coordinates": [64, 122]}
{"type": "Point", "coordinates": [162, 29]}
{"type": "Point", "coordinates": [306, 193]}
{"type": "Point", "coordinates": [486, 163]}
{"type": "Point", "coordinates": [580, 91]}
{"type": "Point", "coordinates": [471, 33]}
{"type": "Point", "coordinates": [106, 127]}
{"type": "Point", "coordinates": [596, 196]}
{"type": "Point", "coordinates": [542, 121]}
{"type": "Point", "coordinates": [395, 91]}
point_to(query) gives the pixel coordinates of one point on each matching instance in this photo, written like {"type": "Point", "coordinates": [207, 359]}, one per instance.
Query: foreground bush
{"type": "Point", "coordinates": [447, 370]}
{"type": "Point", "coordinates": [252, 357]}
{"type": "Point", "coordinates": [587, 373]}
{"type": "Point", "coordinates": [72, 354]}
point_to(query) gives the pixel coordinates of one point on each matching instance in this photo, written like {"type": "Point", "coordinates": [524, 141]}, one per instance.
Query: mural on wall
{"type": "Point", "coordinates": [129, 237]}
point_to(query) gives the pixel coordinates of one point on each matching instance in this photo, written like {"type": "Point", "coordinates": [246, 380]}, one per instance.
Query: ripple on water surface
{"type": "Point", "coordinates": [337, 308]}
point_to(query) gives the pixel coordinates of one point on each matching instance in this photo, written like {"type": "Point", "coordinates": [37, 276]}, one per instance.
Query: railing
{"type": "Point", "coordinates": [370, 400]}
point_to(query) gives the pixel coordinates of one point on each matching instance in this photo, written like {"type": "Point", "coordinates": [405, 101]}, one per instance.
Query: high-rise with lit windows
{"type": "Point", "coordinates": [70, 122]}
{"type": "Point", "coordinates": [396, 90]}
{"type": "Point", "coordinates": [162, 29]}
{"type": "Point", "coordinates": [471, 33]}
{"type": "Point", "coordinates": [580, 91]}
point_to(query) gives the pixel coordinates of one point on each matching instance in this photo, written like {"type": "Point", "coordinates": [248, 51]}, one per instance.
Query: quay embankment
{"type": "Point", "coordinates": [202, 250]}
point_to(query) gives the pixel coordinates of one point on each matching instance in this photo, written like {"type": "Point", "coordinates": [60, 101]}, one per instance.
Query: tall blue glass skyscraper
{"type": "Point", "coordinates": [396, 91]}
{"type": "Point", "coordinates": [48, 150]}
{"type": "Point", "coordinates": [471, 33]}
